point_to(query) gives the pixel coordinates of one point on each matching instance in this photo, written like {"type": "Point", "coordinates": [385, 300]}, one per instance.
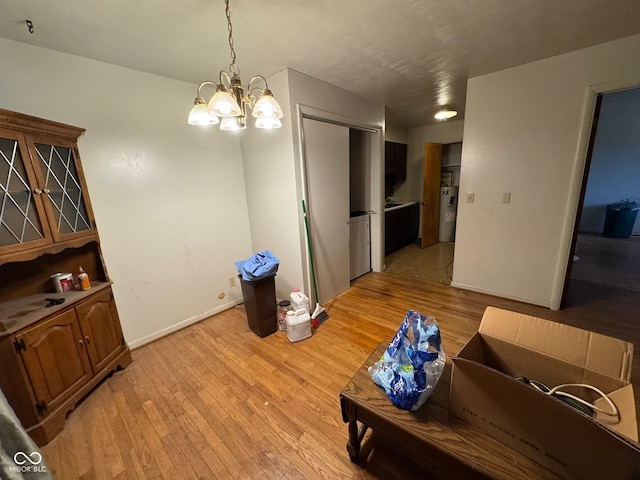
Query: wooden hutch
{"type": "Point", "coordinates": [51, 354]}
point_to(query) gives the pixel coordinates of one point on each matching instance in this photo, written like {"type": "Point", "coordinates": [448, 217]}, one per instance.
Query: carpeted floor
{"type": "Point", "coordinates": [433, 263]}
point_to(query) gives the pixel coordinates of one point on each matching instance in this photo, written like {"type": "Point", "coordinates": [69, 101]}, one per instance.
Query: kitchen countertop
{"type": "Point", "coordinates": [398, 205]}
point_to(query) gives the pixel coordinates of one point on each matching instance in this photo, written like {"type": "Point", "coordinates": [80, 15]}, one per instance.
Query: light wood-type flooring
{"type": "Point", "coordinates": [614, 262]}
{"type": "Point", "coordinates": [433, 263]}
{"type": "Point", "coordinates": [216, 401]}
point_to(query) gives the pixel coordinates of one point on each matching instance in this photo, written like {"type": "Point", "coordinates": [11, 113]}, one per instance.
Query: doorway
{"type": "Point", "coordinates": [432, 255]}
{"type": "Point", "coordinates": [328, 177]}
{"type": "Point", "coordinates": [602, 266]}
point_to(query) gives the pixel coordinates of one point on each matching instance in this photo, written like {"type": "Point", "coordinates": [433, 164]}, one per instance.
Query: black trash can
{"type": "Point", "coordinates": [260, 305]}
{"type": "Point", "coordinates": [620, 219]}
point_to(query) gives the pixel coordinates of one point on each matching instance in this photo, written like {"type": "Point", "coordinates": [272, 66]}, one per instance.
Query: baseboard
{"type": "Point", "coordinates": [471, 288]}
{"type": "Point", "coordinates": [180, 325]}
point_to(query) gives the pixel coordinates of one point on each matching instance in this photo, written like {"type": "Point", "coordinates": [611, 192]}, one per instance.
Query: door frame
{"type": "Point", "coordinates": [583, 190]}
{"type": "Point", "coordinates": [576, 186]}
{"type": "Point", "coordinates": [376, 179]}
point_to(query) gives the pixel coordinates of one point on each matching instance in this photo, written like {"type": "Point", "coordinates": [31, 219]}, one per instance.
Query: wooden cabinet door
{"type": "Point", "coordinates": [389, 159]}
{"type": "Point", "coordinates": [23, 223]}
{"type": "Point", "coordinates": [400, 162]}
{"type": "Point", "coordinates": [431, 194]}
{"type": "Point", "coordinates": [58, 169]}
{"type": "Point", "coordinates": [54, 359]}
{"type": "Point", "coordinates": [101, 329]}
{"type": "Point", "coordinates": [391, 232]}
{"type": "Point", "coordinates": [413, 223]}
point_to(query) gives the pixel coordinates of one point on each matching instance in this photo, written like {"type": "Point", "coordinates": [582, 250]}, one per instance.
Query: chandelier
{"type": "Point", "coordinates": [228, 105]}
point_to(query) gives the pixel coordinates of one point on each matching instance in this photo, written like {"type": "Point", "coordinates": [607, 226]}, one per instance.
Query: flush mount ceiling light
{"type": "Point", "coordinates": [228, 105]}
{"type": "Point", "coordinates": [445, 114]}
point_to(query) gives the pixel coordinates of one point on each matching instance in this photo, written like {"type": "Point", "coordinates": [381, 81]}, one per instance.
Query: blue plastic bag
{"type": "Point", "coordinates": [258, 266]}
{"type": "Point", "coordinates": [412, 364]}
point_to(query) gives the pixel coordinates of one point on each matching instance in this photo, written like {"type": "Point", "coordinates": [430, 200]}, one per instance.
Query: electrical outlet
{"type": "Point", "coordinates": [232, 281]}
{"type": "Point", "coordinates": [471, 197]}
{"type": "Point", "coordinates": [506, 197]}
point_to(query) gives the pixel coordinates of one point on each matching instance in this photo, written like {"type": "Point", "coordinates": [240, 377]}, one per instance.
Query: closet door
{"type": "Point", "coordinates": [327, 167]}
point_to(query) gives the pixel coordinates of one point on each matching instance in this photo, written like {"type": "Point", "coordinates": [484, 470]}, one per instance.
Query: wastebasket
{"type": "Point", "coordinates": [260, 305]}
{"type": "Point", "coordinates": [620, 219]}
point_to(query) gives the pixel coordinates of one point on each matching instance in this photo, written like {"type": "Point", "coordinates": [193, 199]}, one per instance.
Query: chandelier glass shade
{"type": "Point", "coordinates": [232, 124]}
{"type": "Point", "coordinates": [228, 105]}
{"type": "Point", "coordinates": [199, 114]}
{"type": "Point", "coordinates": [266, 122]}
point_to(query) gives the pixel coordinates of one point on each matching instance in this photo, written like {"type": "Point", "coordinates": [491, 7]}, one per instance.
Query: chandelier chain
{"type": "Point", "coordinates": [230, 28]}
{"type": "Point", "coordinates": [228, 105]}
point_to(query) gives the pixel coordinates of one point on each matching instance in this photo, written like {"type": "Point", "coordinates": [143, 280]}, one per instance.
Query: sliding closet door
{"type": "Point", "coordinates": [327, 166]}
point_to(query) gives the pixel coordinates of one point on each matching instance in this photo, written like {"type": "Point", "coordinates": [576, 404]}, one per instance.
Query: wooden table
{"type": "Point", "coordinates": [453, 448]}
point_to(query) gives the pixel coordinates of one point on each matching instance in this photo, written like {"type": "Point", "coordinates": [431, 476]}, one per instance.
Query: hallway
{"type": "Point", "coordinates": [606, 276]}
{"type": "Point", "coordinates": [431, 263]}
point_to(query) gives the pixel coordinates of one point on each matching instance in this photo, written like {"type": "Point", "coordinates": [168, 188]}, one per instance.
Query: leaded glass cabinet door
{"type": "Point", "coordinates": [59, 172]}
{"type": "Point", "coordinates": [23, 223]}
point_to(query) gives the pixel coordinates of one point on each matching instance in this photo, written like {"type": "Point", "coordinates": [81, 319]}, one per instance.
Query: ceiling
{"type": "Point", "coordinates": [412, 55]}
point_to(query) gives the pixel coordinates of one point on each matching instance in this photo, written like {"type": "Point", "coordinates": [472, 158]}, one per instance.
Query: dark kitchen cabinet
{"type": "Point", "coordinates": [401, 227]}
{"type": "Point", "coordinates": [395, 161]}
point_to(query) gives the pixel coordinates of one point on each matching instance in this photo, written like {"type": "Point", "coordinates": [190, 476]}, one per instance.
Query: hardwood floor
{"type": "Point", "coordinates": [433, 263]}
{"type": "Point", "coordinates": [614, 262]}
{"type": "Point", "coordinates": [216, 401]}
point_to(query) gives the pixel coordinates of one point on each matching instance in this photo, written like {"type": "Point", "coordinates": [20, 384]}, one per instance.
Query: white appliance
{"type": "Point", "coordinates": [359, 246]}
{"type": "Point", "coordinates": [448, 208]}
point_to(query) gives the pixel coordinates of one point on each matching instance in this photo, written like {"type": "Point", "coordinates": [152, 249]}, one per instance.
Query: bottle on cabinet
{"type": "Point", "coordinates": [83, 279]}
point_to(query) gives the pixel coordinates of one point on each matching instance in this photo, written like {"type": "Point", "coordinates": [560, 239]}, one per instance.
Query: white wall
{"type": "Point", "coordinates": [168, 198]}
{"type": "Point", "coordinates": [615, 164]}
{"type": "Point", "coordinates": [319, 95]}
{"type": "Point", "coordinates": [394, 131]}
{"type": "Point", "coordinates": [270, 180]}
{"type": "Point", "coordinates": [273, 173]}
{"type": "Point", "coordinates": [526, 132]}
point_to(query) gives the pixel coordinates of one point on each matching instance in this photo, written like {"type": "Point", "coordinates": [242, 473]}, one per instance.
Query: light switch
{"type": "Point", "coordinates": [506, 197]}
{"type": "Point", "coordinates": [471, 197]}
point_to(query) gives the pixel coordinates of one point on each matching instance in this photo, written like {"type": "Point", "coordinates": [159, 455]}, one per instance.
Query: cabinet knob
{"type": "Point", "coordinates": [46, 190]}
{"type": "Point", "coordinates": [37, 191]}
{"type": "Point", "coordinates": [87, 340]}
{"type": "Point", "coordinates": [81, 342]}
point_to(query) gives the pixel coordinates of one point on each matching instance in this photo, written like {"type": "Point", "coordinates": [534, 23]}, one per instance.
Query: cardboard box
{"type": "Point", "coordinates": [570, 443]}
